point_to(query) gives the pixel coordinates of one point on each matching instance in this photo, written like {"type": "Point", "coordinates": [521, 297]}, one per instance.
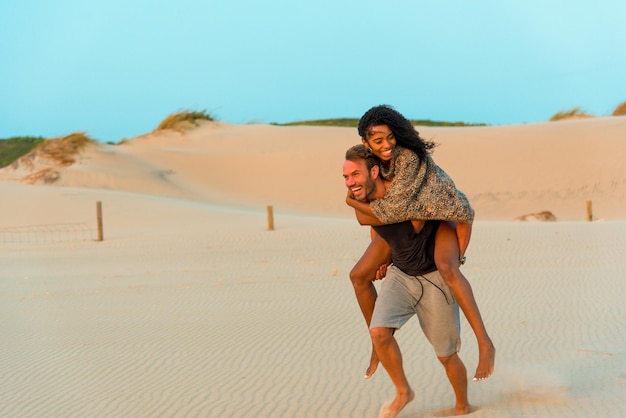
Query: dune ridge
{"type": "Point", "coordinates": [506, 171]}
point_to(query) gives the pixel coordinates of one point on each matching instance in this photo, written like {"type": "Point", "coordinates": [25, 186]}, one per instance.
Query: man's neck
{"type": "Point", "coordinates": [381, 189]}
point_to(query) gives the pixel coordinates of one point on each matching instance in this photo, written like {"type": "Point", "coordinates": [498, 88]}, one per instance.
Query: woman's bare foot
{"type": "Point", "coordinates": [393, 409]}
{"type": "Point", "coordinates": [486, 360]}
{"type": "Point", "coordinates": [373, 364]}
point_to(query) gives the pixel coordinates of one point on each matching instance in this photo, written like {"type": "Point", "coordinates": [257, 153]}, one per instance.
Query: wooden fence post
{"type": "Point", "coordinates": [99, 215]}
{"type": "Point", "coordinates": [589, 211]}
{"type": "Point", "coordinates": [270, 218]}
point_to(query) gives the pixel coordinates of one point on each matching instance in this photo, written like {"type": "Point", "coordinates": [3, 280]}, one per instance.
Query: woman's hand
{"type": "Point", "coordinates": [350, 200]}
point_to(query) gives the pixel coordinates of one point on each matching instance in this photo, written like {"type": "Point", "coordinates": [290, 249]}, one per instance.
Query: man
{"type": "Point", "coordinates": [412, 286]}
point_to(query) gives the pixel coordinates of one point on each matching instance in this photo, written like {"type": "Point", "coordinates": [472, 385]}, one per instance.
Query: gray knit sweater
{"type": "Point", "coordinates": [420, 190]}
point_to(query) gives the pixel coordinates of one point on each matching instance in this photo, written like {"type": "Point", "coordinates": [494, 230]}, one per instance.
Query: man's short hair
{"type": "Point", "coordinates": [361, 152]}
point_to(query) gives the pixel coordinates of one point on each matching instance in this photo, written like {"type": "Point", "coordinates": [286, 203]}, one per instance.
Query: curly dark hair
{"type": "Point", "coordinates": [403, 130]}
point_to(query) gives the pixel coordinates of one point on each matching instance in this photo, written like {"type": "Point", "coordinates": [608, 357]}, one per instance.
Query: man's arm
{"type": "Point", "coordinates": [463, 234]}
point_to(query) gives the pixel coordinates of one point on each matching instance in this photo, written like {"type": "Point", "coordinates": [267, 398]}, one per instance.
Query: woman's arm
{"type": "Point", "coordinates": [363, 211]}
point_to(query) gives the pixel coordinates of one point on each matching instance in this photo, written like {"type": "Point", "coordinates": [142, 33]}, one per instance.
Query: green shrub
{"type": "Point", "coordinates": [15, 147]}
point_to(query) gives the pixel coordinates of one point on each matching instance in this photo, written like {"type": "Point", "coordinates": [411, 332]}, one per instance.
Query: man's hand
{"type": "Point", "coordinates": [381, 272]}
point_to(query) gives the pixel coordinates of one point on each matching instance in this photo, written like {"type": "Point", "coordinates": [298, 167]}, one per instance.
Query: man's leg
{"type": "Point", "coordinates": [457, 375]}
{"type": "Point", "coordinates": [390, 356]}
{"type": "Point", "coordinates": [438, 314]}
{"type": "Point", "coordinates": [399, 294]}
{"type": "Point", "coordinates": [362, 276]}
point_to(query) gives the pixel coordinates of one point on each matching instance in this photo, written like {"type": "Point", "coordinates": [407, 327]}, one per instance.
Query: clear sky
{"type": "Point", "coordinates": [116, 68]}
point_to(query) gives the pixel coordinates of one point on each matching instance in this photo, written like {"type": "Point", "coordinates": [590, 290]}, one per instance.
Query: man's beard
{"type": "Point", "coordinates": [370, 189]}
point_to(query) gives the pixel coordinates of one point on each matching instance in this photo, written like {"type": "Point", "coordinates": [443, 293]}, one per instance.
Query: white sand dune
{"type": "Point", "coordinates": [191, 308]}
{"type": "Point", "coordinates": [506, 171]}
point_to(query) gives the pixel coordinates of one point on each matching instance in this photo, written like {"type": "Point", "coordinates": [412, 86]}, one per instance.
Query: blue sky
{"type": "Point", "coordinates": [116, 68]}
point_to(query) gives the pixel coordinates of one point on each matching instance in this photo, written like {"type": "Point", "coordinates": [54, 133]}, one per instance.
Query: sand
{"type": "Point", "coordinates": [190, 307]}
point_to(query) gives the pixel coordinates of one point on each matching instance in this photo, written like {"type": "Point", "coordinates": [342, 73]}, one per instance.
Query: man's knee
{"type": "Point", "coordinates": [381, 335]}
{"type": "Point", "coordinates": [447, 359]}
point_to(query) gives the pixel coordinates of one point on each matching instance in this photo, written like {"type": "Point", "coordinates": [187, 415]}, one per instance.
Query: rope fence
{"type": "Point", "coordinates": [54, 232]}
{"type": "Point", "coordinates": [48, 233]}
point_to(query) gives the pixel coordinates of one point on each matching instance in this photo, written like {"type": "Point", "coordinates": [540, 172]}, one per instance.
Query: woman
{"type": "Point", "coordinates": [419, 190]}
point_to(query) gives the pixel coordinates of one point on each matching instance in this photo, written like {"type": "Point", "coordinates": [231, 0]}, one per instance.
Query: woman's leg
{"type": "Point", "coordinates": [447, 260]}
{"type": "Point", "coordinates": [362, 276]}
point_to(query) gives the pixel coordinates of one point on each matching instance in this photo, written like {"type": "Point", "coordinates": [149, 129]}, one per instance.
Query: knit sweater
{"type": "Point", "coordinates": [420, 190]}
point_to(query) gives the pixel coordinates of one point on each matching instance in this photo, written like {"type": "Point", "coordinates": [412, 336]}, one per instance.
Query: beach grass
{"type": "Point", "coordinates": [63, 150]}
{"type": "Point", "coordinates": [620, 110]}
{"type": "Point", "coordinates": [60, 151]}
{"type": "Point", "coordinates": [575, 112]}
{"type": "Point", "coordinates": [185, 119]}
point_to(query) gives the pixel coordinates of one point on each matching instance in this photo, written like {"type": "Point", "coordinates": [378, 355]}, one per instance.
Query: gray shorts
{"type": "Point", "coordinates": [402, 296]}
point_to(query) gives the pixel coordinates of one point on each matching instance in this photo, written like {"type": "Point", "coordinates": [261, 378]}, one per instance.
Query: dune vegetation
{"type": "Point", "coordinates": [26, 149]}
{"type": "Point", "coordinates": [47, 156]}
{"type": "Point", "coordinates": [577, 112]}
{"type": "Point", "coordinates": [13, 148]}
{"type": "Point", "coordinates": [353, 123]}
{"type": "Point", "coordinates": [183, 120]}
{"type": "Point", "coordinates": [574, 113]}
{"type": "Point", "coordinates": [620, 110]}
{"type": "Point", "coordinates": [63, 149]}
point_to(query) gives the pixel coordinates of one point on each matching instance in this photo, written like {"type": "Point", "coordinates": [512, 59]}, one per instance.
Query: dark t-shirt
{"type": "Point", "coordinates": [411, 252]}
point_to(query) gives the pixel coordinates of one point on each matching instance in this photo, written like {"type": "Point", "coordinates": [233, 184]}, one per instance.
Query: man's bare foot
{"type": "Point", "coordinates": [393, 409]}
{"type": "Point", "coordinates": [486, 360]}
{"type": "Point", "coordinates": [462, 409]}
{"type": "Point", "coordinates": [456, 410]}
{"type": "Point", "coordinates": [373, 364]}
